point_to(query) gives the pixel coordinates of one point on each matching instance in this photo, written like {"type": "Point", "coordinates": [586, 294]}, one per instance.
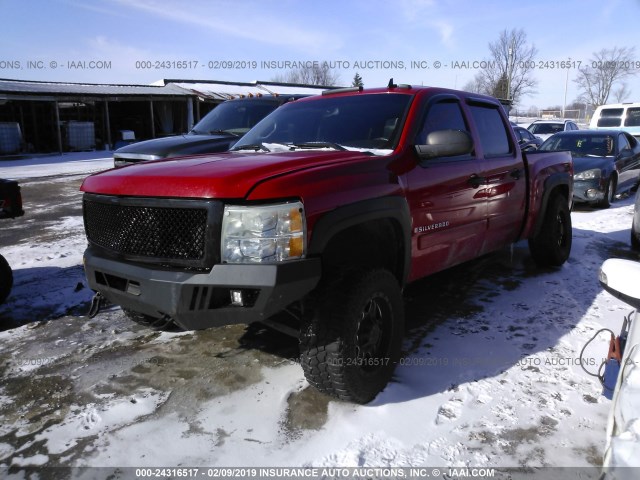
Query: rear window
{"type": "Point", "coordinates": [546, 128]}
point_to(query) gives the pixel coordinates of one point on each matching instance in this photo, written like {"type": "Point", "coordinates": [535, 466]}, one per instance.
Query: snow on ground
{"type": "Point", "coordinates": [67, 163]}
{"type": "Point", "coordinates": [490, 375]}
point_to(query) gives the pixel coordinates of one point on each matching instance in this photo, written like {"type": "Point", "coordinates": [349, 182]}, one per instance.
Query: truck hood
{"type": "Point", "coordinates": [225, 175]}
{"type": "Point", "coordinates": [177, 145]}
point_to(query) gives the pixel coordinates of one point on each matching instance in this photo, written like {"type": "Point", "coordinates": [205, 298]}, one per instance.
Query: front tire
{"type": "Point", "coordinates": [609, 194]}
{"type": "Point", "coordinates": [551, 246]}
{"type": "Point", "coordinates": [350, 346]}
{"type": "Point", "coordinates": [6, 279]}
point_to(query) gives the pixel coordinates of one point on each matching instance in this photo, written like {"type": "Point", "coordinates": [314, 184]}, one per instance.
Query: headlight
{"type": "Point", "coordinates": [588, 174]}
{"type": "Point", "coordinates": [265, 233]}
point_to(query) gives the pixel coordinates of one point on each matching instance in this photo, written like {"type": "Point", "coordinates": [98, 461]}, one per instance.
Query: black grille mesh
{"type": "Point", "coordinates": [147, 231]}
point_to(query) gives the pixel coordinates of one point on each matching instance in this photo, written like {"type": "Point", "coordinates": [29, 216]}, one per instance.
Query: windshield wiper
{"type": "Point", "coordinates": [222, 132]}
{"type": "Point", "coordinates": [335, 146]}
{"type": "Point", "coordinates": [252, 146]}
{"type": "Point", "coordinates": [213, 132]}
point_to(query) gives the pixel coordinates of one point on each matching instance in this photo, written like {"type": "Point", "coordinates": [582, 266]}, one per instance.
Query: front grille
{"type": "Point", "coordinates": [165, 231]}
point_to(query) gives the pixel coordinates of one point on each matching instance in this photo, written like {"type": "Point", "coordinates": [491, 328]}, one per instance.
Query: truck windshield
{"type": "Point", "coordinates": [369, 122]}
{"type": "Point", "coordinates": [234, 117]}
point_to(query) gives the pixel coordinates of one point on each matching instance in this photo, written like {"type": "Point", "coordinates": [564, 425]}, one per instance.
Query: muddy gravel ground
{"type": "Point", "coordinates": [63, 360]}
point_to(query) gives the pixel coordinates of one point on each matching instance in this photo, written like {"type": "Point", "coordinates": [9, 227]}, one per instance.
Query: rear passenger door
{"type": "Point", "coordinates": [503, 172]}
{"type": "Point", "coordinates": [449, 218]}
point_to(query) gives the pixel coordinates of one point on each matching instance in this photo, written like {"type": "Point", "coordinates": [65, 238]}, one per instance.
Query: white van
{"type": "Point", "coordinates": [619, 116]}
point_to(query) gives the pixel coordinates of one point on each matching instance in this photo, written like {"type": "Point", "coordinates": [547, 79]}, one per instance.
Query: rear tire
{"type": "Point", "coordinates": [551, 246]}
{"type": "Point", "coordinates": [6, 279]}
{"type": "Point", "coordinates": [350, 345]}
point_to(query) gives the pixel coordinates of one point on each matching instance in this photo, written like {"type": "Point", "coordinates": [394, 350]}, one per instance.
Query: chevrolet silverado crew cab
{"type": "Point", "coordinates": [216, 132]}
{"type": "Point", "coordinates": [319, 216]}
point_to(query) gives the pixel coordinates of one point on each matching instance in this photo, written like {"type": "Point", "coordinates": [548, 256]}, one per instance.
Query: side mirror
{"type": "Point", "coordinates": [445, 143]}
{"type": "Point", "coordinates": [621, 278]}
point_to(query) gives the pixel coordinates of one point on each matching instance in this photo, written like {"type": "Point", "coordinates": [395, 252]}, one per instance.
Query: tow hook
{"type": "Point", "coordinates": [96, 302]}
{"type": "Point", "coordinates": [610, 367]}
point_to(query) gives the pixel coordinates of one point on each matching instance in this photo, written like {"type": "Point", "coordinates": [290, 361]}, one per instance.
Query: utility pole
{"type": "Point", "coordinates": [566, 84]}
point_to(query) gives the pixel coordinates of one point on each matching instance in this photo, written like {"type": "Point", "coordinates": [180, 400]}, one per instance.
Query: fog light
{"type": "Point", "coordinates": [592, 193]}
{"type": "Point", "coordinates": [236, 298]}
{"type": "Point", "coordinates": [133, 288]}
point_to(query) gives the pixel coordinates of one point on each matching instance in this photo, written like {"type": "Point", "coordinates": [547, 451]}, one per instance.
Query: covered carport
{"type": "Point", "coordinates": [56, 117]}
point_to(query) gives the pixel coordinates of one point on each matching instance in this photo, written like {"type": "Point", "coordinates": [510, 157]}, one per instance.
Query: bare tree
{"type": "Point", "coordinates": [603, 71]}
{"type": "Point", "coordinates": [474, 86]}
{"type": "Point", "coordinates": [622, 93]}
{"type": "Point", "coordinates": [317, 73]}
{"type": "Point", "coordinates": [507, 74]}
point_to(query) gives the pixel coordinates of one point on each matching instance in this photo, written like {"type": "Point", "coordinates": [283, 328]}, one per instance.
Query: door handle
{"type": "Point", "coordinates": [476, 180]}
{"type": "Point", "coordinates": [515, 173]}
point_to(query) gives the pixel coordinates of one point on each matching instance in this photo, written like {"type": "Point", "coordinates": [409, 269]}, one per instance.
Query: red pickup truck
{"type": "Point", "coordinates": [319, 216]}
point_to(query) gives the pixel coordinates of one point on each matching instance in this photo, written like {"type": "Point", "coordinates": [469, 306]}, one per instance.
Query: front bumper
{"type": "Point", "coordinates": [198, 300]}
{"type": "Point", "coordinates": [588, 191]}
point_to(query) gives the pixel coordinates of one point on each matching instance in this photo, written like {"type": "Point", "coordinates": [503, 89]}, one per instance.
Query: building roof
{"type": "Point", "coordinates": [212, 90]}
{"type": "Point", "coordinates": [221, 90]}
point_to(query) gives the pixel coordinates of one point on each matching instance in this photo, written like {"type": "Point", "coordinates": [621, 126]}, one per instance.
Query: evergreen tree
{"type": "Point", "coordinates": [357, 81]}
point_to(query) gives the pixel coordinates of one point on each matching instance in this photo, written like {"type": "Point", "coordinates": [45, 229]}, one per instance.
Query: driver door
{"type": "Point", "coordinates": [449, 211]}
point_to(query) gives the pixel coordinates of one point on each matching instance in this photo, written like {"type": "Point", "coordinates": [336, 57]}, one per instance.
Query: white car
{"type": "Point", "coordinates": [621, 278]}
{"type": "Point", "coordinates": [545, 128]}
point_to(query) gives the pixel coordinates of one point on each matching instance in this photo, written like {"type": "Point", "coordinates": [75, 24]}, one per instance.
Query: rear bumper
{"type": "Point", "coordinates": [195, 300]}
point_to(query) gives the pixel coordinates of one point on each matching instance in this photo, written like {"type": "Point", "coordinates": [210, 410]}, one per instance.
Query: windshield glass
{"type": "Point", "coordinates": [369, 122]}
{"type": "Point", "coordinates": [600, 145]}
{"type": "Point", "coordinates": [234, 117]}
{"type": "Point", "coordinates": [544, 128]}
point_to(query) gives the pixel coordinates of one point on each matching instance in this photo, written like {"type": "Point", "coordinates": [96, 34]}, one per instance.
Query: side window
{"type": "Point", "coordinates": [610, 117]}
{"type": "Point", "coordinates": [491, 129]}
{"type": "Point", "coordinates": [445, 115]}
{"type": "Point", "coordinates": [622, 142]}
{"type": "Point", "coordinates": [519, 134]}
{"type": "Point", "coordinates": [633, 118]}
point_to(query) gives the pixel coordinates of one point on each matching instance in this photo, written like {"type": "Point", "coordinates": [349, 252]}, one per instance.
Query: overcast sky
{"type": "Point", "coordinates": [142, 41]}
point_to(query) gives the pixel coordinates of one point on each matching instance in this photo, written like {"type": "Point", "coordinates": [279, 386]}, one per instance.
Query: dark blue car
{"type": "Point", "coordinates": [606, 163]}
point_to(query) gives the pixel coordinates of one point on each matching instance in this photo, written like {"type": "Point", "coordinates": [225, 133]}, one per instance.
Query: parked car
{"type": "Point", "coordinates": [606, 163]}
{"type": "Point", "coordinates": [635, 224]}
{"type": "Point", "coordinates": [527, 140]}
{"type": "Point", "coordinates": [319, 216]}
{"type": "Point", "coordinates": [10, 207]}
{"type": "Point", "coordinates": [621, 278]}
{"type": "Point", "coordinates": [545, 128]}
{"type": "Point", "coordinates": [218, 131]}
{"type": "Point", "coordinates": [619, 116]}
